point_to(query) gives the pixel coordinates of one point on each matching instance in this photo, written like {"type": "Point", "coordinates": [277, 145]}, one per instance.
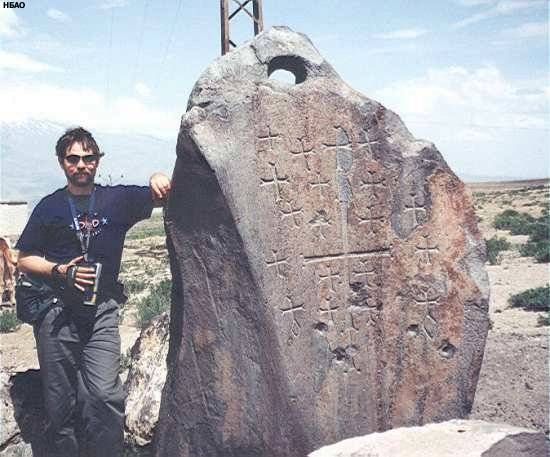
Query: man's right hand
{"type": "Point", "coordinates": [81, 277]}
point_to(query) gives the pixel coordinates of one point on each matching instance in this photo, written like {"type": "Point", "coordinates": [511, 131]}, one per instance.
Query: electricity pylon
{"type": "Point", "coordinates": [256, 16]}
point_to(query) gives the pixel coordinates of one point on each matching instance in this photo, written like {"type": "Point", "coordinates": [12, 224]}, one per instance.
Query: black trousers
{"type": "Point", "coordinates": [79, 359]}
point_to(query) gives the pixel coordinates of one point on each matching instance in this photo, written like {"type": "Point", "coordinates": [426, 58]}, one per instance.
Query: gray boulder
{"type": "Point", "coordinates": [328, 269]}
{"type": "Point", "coordinates": [455, 438]}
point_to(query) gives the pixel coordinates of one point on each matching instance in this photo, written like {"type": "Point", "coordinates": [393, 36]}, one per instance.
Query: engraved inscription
{"type": "Point", "coordinates": [426, 250]}
{"type": "Point", "coordinates": [428, 325]}
{"type": "Point", "coordinates": [320, 185]}
{"type": "Point", "coordinates": [373, 182]}
{"type": "Point", "coordinates": [279, 263]}
{"type": "Point", "coordinates": [383, 252]}
{"type": "Point", "coordinates": [418, 212]}
{"type": "Point", "coordinates": [275, 180]}
{"type": "Point", "coordinates": [287, 210]}
{"type": "Point", "coordinates": [303, 151]}
{"type": "Point", "coordinates": [365, 142]}
{"type": "Point", "coordinates": [328, 309]}
{"type": "Point", "coordinates": [370, 219]}
{"type": "Point", "coordinates": [292, 309]}
{"type": "Point", "coordinates": [319, 223]}
{"type": "Point", "coordinates": [332, 277]}
{"type": "Point", "coordinates": [425, 299]}
{"type": "Point", "coordinates": [268, 139]}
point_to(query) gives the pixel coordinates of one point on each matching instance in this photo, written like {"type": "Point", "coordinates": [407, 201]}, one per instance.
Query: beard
{"type": "Point", "coordinates": [80, 179]}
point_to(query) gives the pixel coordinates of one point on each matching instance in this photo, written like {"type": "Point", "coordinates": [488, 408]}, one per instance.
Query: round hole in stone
{"type": "Point", "coordinates": [281, 66]}
{"type": "Point", "coordinates": [283, 76]}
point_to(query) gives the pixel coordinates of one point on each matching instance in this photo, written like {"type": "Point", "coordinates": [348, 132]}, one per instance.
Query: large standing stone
{"type": "Point", "coordinates": [328, 270]}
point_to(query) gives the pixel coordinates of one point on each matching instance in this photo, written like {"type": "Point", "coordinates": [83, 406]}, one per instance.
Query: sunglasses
{"type": "Point", "coordinates": [73, 159]}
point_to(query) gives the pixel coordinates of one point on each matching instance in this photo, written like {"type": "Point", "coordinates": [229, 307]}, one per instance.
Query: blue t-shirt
{"type": "Point", "coordinates": [50, 230]}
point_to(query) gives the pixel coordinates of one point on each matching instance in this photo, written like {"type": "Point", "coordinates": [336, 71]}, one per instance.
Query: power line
{"type": "Point", "coordinates": [108, 66]}
{"type": "Point", "coordinates": [140, 43]}
{"type": "Point", "coordinates": [169, 41]}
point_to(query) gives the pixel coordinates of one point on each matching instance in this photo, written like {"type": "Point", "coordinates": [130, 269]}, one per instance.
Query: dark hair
{"type": "Point", "coordinates": [76, 135]}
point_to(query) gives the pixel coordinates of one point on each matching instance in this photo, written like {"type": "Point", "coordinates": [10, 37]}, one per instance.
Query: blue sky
{"type": "Point", "coordinates": [470, 75]}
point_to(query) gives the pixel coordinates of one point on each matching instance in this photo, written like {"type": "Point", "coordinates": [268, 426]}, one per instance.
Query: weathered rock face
{"type": "Point", "coordinates": [22, 423]}
{"type": "Point", "coordinates": [328, 269]}
{"type": "Point", "coordinates": [454, 438]}
{"type": "Point", "coordinates": [146, 380]}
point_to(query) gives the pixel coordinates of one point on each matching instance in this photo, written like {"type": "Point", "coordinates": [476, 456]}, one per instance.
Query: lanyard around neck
{"type": "Point", "coordinates": [83, 238]}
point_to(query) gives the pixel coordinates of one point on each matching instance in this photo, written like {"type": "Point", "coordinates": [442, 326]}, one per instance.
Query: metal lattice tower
{"type": "Point", "coordinates": [256, 16]}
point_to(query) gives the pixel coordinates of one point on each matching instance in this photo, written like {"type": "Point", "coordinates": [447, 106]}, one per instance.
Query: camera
{"type": "Point", "coordinates": [90, 292]}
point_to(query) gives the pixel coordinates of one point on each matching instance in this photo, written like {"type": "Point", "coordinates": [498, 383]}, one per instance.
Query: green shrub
{"type": "Point", "coordinates": [155, 303]}
{"type": "Point", "coordinates": [538, 231]}
{"type": "Point", "coordinates": [537, 299]}
{"type": "Point", "coordinates": [517, 223]}
{"type": "Point", "coordinates": [134, 286]}
{"type": "Point", "coordinates": [540, 251]}
{"type": "Point", "coordinates": [494, 247]}
{"type": "Point", "coordinates": [9, 321]}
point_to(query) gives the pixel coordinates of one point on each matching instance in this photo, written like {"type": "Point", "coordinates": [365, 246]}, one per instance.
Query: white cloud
{"type": "Point", "coordinates": [474, 2]}
{"type": "Point", "coordinates": [527, 30]}
{"type": "Point", "coordinates": [108, 4]}
{"type": "Point", "coordinates": [501, 8]}
{"type": "Point", "coordinates": [468, 97]}
{"type": "Point", "coordinates": [33, 100]}
{"type": "Point", "coordinates": [58, 15]}
{"type": "Point", "coordinates": [484, 123]}
{"type": "Point", "coordinates": [23, 63]}
{"type": "Point", "coordinates": [142, 89]}
{"type": "Point", "coordinates": [401, 48]}
{"type": "Point", "coordinates": [402, 34]}
{"type": "Point", "coordinates": [10, 25]}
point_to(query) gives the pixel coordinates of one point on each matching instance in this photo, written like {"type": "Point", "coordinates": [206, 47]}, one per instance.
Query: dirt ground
{"type": "Point", "coordinates": [513, 385]}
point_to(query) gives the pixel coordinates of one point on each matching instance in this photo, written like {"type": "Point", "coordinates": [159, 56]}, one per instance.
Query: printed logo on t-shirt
{"type": "Point", "coordinates": [92, 224]}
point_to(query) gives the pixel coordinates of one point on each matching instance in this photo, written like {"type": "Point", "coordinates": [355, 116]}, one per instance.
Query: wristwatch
{"type": "Point", "coordinates": [56, 274]}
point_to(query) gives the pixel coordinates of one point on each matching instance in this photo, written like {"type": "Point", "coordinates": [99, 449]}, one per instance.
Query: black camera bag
{"type": "Point", "coordinates": [33, 297]}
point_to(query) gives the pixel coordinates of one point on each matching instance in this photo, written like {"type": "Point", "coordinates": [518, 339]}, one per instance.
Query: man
{"type": "Point", "coordinates": [78, 344]}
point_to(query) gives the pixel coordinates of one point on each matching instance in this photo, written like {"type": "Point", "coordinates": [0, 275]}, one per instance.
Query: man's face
{"type": "Point", "coordinates": [79, 165]}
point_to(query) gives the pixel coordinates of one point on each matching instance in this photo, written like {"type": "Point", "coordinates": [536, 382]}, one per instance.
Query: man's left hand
{"type": "Point", "coordinates": [160, 186]}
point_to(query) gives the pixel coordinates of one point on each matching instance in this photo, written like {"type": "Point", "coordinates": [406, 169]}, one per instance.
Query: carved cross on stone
{"type": "Point", "coordinates": [303, 151]}
{"type": "Point", "coordinates": [319, 222]}
{"type": "Point", "coordinates": [373, 182]}
{"type": "Point", "coordinates": [365, 140]}
{"type": "Point", "coordinates": [330, 310]}
{"type": "Point", "coordinates": [277, 262]}
{"type": "Point", "coordinates": [370, 219]}
{"type": "Point", "coordinates": [268, 138]}
{"type": "Point", "coordinates": [276, 181]}
{"type": "Point", "coordinates": [287, 210]}
{"type": "Point", "coordinates": [414, 210]}
{"type": "Point", "coordinates": [330, 276]}
{"type": "Point", "coordinates": [292, 308]}
{"type": "Point", "coordinates": [319, 184]}
{"type": "Point", "coordinates": [426, 250]}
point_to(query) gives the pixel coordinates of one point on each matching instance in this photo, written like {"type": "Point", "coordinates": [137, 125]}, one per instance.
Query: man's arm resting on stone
{"type": "Point", "coordinates": [160, 186]}
{"type": "Point", "coordinates": [32, 263]}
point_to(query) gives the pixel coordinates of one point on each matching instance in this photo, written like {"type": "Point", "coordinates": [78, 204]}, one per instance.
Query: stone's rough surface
{"type": "Point", "coordinates": [328, 270]}
{"type": "Point", "coordinates": [456, 438]}
{"type": "Point", "coordinates": [146, 379]}
{"type": "Point", "coordinates": [22, 422]}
